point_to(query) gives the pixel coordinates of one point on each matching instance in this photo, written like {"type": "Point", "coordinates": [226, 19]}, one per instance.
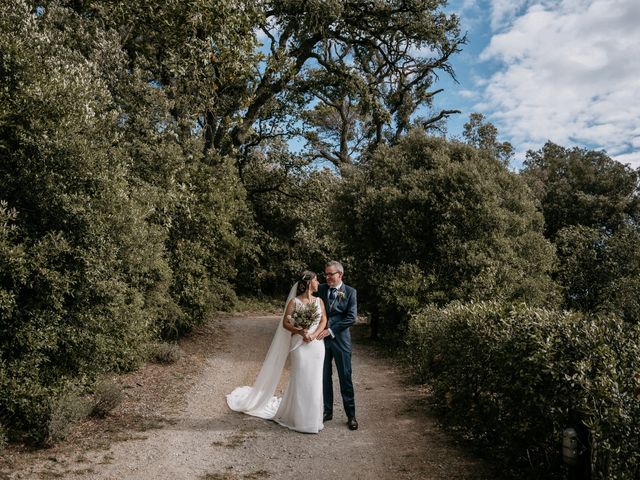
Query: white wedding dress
{"type": "Point", "coordinates": [300, 408]}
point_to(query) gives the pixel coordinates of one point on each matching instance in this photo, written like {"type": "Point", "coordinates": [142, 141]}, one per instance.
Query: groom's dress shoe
{"type": "Point", "coordinates": [326, 417]}
{"type": "Point", "coordinates": [352, 423]}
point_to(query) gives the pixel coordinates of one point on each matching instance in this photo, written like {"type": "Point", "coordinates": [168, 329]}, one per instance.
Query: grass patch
{"type": "Point", "coordinates": [237, 439]}
{"type": "Point", "coordinates": [84, 471]}
{"type": "Point", "coordinates": [256, 475]}
{"type": "Point", "coordinates": [3, 438]}
{"type": "Point", "coordinates": [48, 475]}
{"type": "Point", "coordinates": [107, 459]}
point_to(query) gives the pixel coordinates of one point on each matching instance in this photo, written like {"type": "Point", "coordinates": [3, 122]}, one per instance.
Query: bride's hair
{"type": "Point", "coordinates": [303, 283]}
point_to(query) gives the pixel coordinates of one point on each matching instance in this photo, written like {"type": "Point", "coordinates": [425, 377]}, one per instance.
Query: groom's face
{"type": "Point", "coordinates": [333, 276]}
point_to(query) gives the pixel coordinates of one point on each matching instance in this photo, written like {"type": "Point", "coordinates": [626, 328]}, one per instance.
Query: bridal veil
{"type": "Point", "coordinates": [258, 400]}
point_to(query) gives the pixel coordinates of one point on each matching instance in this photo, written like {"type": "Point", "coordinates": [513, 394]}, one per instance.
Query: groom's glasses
{"type": "Point", "coordinates": [330, 274]}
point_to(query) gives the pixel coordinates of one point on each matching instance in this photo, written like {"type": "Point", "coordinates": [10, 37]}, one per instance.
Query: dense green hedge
{"type": "Point", "coordinates": [513, 377]}
{"type": "Point", "coordinates": [112, 232]}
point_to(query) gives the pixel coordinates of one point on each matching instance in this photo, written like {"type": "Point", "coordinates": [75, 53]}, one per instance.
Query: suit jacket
{"type": "Point", "coordinates": [341, 313]}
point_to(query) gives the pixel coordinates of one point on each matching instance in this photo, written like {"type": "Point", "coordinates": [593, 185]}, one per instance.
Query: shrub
{"type": "Point", "coordinates": [163, 352]}
{"type": "Point", "coordinates": [107, 396]}
{"type": "Point", "coordinates": [114, 229]}
{"type": "Point", "coordinates": [66, 410]}
{"type": "Point", "coordinates": [599, 269]}
{"type": "Point", "coordinates": [438, 221]}
{"type": "Point", "coordinates": [290, 236]}
{"type": "Point", "coordinates": [260, 304]}
{"type": "Point", "coordinates": [82, 271]}
{"type": "Point", "coordinates": [204, 240]}
{"type": "Point", "coordinates": [513, 377]}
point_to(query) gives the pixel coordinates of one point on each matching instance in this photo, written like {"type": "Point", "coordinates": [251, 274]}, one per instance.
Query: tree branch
{"type": "Point", "coordinates": [443, 114]}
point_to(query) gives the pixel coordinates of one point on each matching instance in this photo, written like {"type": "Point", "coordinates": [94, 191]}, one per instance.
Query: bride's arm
{"type": "Point", "coordinates": [323, 323]}
{"type": "Point", "coordinates": [286, 320]}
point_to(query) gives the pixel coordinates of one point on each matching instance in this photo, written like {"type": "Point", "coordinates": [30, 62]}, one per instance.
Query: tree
{"type": "Point", "coordinates": [599, 271]}
{"type": "Point", "coordinates": [83, 272]}
{"type": "Point", "coordinates": [484, 136]}
{"type": "Point", "coordinates": [114, 229]}
{"type": "Point", "coordinates": [383, 58]}
{"type": "Point", "coordinates": [591, 207]}
{"type": "Point", "coordinates": [291, 206]}
{"type": "Point", "coordinates": [582, 187]}
{"type": "Point", "coordinates": [376, 63]}
{"type": "Point", "coordinates": [339, 131]}
{"type": "Point", "coordinates": [431, 221]}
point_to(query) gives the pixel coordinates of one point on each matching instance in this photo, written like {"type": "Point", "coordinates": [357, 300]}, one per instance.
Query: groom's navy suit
{"type": "Point", "coordinates": [342, 311]}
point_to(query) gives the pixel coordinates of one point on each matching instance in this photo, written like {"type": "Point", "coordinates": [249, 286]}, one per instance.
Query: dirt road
{"type": "Point", "coordinates": [175, 424]}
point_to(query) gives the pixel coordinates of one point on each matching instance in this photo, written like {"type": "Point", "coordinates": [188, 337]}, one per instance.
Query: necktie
{"type": "Point", "coordinates": [332, 294]}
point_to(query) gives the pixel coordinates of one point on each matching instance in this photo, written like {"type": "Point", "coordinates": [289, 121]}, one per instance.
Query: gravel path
{"type": "Point", "coordinates": [200, 438]}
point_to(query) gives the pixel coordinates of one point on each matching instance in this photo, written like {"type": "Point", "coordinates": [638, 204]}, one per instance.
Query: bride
{"type": "Point", "coordinates": [301, 406]}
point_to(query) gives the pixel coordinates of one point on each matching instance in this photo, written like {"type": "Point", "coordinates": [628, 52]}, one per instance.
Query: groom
{"type": "Point", "coordinates": [340, 303]}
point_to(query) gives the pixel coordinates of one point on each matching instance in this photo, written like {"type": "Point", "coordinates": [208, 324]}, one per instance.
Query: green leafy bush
{"type": "Point", "coordinates": [296, 223]}
{"type": "Point", "coordinates": [439, 221]}
{"type": "Point", "coordinates": [513, 377]}
{"type": "Point", "coordinates": [114, 227]}
{"type": "Point", "coordinates": [599, 270]}
{"type": "Point", "coordinates": [82, 273]}
{"type": "Point", "coordinates": [260, 304]}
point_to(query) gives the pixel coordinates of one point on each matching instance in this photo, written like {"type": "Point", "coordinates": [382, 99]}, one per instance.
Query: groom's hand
{"type": "Point", "coordinates": [324, 333]}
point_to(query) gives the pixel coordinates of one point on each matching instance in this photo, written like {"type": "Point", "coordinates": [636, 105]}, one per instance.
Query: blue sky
{"type": "Point", "coordinates": [561, 70]}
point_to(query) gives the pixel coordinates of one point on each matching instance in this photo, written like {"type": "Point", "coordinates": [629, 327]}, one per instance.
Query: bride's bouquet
{"type": "Point", "coordinates": [306, 316]}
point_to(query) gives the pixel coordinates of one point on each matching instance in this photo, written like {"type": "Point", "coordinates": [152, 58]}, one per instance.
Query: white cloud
{"type": "Point", "coordinates": [504, 11]}
{"type": "Point", "coordinates": [632, 159]}
{"type": "Point", "coordinates": [569, 74]}
{"type": "Point", "coordinates": [468, 93]}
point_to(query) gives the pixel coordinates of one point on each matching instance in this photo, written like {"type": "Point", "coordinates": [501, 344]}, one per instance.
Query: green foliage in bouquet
{"type": "Point", "coordinates": [305, 316]}
{"type": "Point", "coordinates": [513, 377]}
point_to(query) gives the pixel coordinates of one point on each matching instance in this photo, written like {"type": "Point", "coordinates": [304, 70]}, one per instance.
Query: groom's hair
{"type": "Point", "coordinates": [333, 263]}
{"type": "Point", "coordinates": [303, 283]}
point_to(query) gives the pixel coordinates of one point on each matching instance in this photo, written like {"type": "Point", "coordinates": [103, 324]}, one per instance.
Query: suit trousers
{"type": "Point", "coordinates": [342, 358]}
